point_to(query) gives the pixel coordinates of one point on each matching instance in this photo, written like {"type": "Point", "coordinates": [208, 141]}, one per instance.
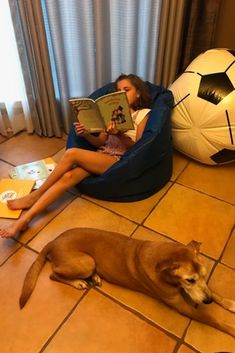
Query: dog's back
{"type": "Point", "coordinates": [116, 257]}
{"type": "Point", "coordinates": [160, 269]}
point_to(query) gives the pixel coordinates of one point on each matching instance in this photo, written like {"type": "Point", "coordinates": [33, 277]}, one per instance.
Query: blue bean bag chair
{"type": "Point", "coordinates": [146, 167]}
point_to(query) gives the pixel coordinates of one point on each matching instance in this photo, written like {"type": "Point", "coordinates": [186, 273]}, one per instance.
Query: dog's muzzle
{"type": "Point", "coordinates": [208, 301]}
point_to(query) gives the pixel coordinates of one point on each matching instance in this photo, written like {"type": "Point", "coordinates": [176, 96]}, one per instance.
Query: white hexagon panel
{"type": "Point", "coordinates": [203, 117]}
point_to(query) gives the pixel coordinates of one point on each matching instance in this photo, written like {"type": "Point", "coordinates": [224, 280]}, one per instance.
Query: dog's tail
{"type": "Point", "coordinates": [32, 276]}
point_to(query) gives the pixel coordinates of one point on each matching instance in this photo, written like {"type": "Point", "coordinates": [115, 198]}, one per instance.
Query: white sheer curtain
{"type": "Point", "coordinates": [127, 31]}
{"type": "Point", "coordinates": [14, 109]}
{"type": "Point", "coordinates": [91, 42]}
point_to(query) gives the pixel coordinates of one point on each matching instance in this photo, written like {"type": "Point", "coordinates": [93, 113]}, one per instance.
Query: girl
{"type": "Point", "coordinates": [77, 164]}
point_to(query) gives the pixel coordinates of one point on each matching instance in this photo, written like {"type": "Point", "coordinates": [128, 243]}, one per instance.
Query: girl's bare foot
{"type": "Point", "coordinates": [14, 229]}
{"type": "Point", "coordinates": [23, 202]}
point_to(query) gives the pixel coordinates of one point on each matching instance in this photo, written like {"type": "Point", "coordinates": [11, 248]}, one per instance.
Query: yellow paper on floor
{"type": "Point", "coordinates": [11, 189]}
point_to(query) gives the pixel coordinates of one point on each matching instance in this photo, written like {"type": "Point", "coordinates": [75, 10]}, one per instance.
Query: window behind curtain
{"type": "Point", "coordinates": [13, 101]}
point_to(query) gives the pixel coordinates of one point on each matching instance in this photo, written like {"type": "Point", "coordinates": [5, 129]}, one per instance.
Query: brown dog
{"type": "Point", "coordinates": [167, 271]}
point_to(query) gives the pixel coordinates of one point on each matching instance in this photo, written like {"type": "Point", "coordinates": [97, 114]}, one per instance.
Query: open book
{"type": "Point", "coordinates": [11, 189]}
{"type": "Point", "coordinates": [97, 115]}
{"type": "Point", "coordinates": [37, 170]}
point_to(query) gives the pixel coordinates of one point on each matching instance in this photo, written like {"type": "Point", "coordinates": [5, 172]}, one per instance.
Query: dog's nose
{"type": "Point", "coordinates": [208, 300]}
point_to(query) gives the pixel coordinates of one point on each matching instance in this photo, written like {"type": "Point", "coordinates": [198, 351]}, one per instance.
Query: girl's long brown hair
{"type": "Point", "coordinates": [145, 100]}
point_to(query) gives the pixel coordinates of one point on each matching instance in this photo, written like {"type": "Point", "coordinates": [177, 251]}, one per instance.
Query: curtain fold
{"type": "Point", "coordinates": [199, 29]}
{"type": "Point", "coordinates": [187, 29]}
{"type": "Point", "coordinates": [91, 42]}
{"type": "Point", "coordinates": [70, 48]}
{"type": "Point", "coordinates": [170, 41]}
{"type": "Point", "coordinates": [71, 40]}
{"type": "Point", "coordinates": [103, 40]}
{"type": "Point", "coordinates": [36, 68]}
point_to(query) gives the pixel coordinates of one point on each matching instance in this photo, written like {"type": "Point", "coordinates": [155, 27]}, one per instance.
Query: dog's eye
{"type": "Point", "coordinates": [191, 280]}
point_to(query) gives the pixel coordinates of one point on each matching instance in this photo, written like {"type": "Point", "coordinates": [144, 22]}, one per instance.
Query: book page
{"type": "Point", "coordinates": [86, 112]}
{"type": "Point", "coordinates": [11, 189]}
{"type": "Point", "coordinates": [37, 170]}
{"type": "Point", "coordinates": [115, 107]}
{"type": "Point", "coordinates": [30, 171]}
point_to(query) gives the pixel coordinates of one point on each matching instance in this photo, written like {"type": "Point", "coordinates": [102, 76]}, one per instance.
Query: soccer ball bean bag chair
{"type": "Point", "coordinates": [146, 167]}
{"type": "Point", "coordinates": [203, 117]}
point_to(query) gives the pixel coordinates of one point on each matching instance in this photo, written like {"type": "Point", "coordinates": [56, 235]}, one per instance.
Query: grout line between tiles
{"type": "Point", "coordinates": [204, 193]}
{"type": "Point", "coordinates": [108, 209]}
{"type": "Point", "coordinates": [219, 260]}
{"type": "Point", "coordinates": [182, 171]}
{"type": "Point", "coordinates": [225, 245]}
{"type": "Point", "coordinates": [157, 203]}
{"type": "Point", "coordinates": [182, 338]}
{"type": "Point", "coordinates": [215, 261]}
{"type": "Point", "coordinates": [63, 321]}
{"type": "Point", "coordinates": [7, 138]}
{"type": "Point", "coordinates": [4, 161]}
{"type": "Point", "coordinates": [25, 244]}
{"type": "Point", "coordinates": [162, 234]}
{"type": "Point", "coordinates": [176, 350]}
{"type": "Point", "coordinates": [22, 245]}
{"type": "Point", "coordinates": [124, 216]}
{"type": "Point", "coordinates": [45, 225]}
{"type": "Point", "coordinates": [12, 254]}
{"type": "Point", "coordinates": [137, 314]}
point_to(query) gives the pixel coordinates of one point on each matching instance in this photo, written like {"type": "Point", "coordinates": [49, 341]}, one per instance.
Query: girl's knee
{"type": "Point", "coordinates": [68, 177]}
{"type": "Point", "coordinates": [73, 177]}
{"type": "Point", "coordinates": [71, 152]}
{"type": "Point", "coordinates": [71, 155]}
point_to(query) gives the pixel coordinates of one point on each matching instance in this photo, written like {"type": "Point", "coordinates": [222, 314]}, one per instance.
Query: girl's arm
{"type": "Point", "coordinates": [96, 141]}
{"type": "Point", "coordinates": [125, 139]}
{"type": "Point", "coordinates": [141, 127]}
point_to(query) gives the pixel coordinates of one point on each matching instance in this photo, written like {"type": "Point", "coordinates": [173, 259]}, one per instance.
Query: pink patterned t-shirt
{"type": "Point", "coordinates": [113, 145]}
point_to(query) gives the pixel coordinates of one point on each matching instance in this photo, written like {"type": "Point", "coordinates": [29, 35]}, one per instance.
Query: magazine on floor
{"type": "Point", "coordinates": [37, 170]}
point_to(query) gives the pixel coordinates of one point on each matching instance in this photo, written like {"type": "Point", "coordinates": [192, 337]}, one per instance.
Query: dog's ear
{"type": "Point", "coordinates": [195, 246]}
{"type": "Point", "coordinates": [167, 265]}
{"type": "Point", "coordinates": [168, 271]}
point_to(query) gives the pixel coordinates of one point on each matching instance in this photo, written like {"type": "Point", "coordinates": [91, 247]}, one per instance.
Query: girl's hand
{"type": "Point", "coordinates": [112, 129]}
{"type": "Point", "coordinates": [80, 129]}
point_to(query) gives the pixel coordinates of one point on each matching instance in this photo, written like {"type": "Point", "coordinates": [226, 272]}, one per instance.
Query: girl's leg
{"type": "Point", "coordinates": [100, 164]}
{"type": "Point", "coordinates": [94, 162]}
{"type": "Point", "coordinates": [27, 201]}
{"type": "Point", "coordinates": [69, 179]}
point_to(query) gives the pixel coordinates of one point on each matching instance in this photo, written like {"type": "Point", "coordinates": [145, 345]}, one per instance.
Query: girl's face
{"type": "Point", "coordinates": [131, 91]}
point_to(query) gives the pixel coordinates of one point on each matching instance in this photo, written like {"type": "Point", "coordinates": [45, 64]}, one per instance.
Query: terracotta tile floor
{"type": "Point", "coordinates": [198, 203]}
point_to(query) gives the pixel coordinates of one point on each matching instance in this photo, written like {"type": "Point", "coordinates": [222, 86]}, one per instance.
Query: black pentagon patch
{"type": "Point", "coordinates": [215, 87]}
{"type": "Point", "coordinates": [231, 51]}
{"type": "Point", "coordinates": [224, 156]}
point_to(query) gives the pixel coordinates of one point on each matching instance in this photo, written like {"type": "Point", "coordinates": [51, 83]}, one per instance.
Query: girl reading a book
{"type": "Point", "coordinates": [77, 164]}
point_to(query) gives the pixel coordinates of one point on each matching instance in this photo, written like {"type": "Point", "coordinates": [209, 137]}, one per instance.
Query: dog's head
{"type": "Point", "coordinates": [184, 270]}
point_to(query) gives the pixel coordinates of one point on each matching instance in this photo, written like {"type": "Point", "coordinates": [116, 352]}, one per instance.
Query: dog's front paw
{"type": "Point", "coordinates": [226, 303]}
{"type": "Point", "coordinates": [230, 305]}
{"type": "Point", "coordinates": [80, 284]}
{"type": "Point", "coordinates": [76, 283]}
{"type": "Point", "coordinates": [96, 280]}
